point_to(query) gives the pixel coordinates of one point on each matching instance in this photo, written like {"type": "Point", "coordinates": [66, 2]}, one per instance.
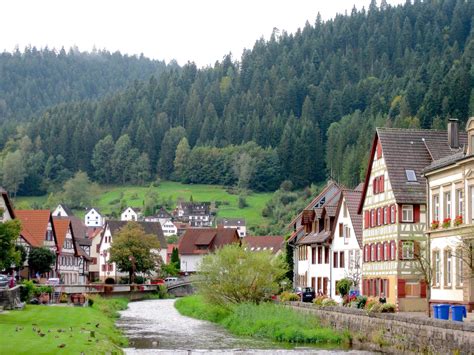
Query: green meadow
{"type": "Point", "coordinates": [109, 200]}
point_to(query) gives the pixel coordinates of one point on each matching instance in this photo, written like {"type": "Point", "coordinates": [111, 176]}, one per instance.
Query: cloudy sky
{"type": "Point", "coordinates": [202, 31]}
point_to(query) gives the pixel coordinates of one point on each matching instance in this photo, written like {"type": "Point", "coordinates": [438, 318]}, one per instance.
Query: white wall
{"type": "Point", "coordinates": [93, 219]}
{"type": "Point", "coordinates": [190, 263]}
{"type": "Point", "coordinates": [129, 215]}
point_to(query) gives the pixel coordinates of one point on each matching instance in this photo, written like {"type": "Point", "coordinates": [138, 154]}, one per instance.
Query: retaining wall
{"type": "Point", "coordinates": [396, 333]}
{"type": "Point", "coordinates": [10, 298]}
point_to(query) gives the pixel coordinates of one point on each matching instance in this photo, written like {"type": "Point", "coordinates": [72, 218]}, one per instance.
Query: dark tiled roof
{"type": "Point", "coordinates": [153, 228]}
{"type": "Point", "coordinates": [228, 222]}
{"type": "Point", "coordinates": [444, 162]}
{"type": "Point", "coordinates": [162, 213]}
{"type": "Point", "coordinates": [272, 243]}
{"type": "Point", "coordinates": [215, 238]}
{"type": "Point", "coordinates": [312, 238]}
{"type": "Point", "coordinates": [307, 217]}
{"type": "Point", "coordinates": [78, 226]}
{"type": "Point", "coordinates": [67, 210]}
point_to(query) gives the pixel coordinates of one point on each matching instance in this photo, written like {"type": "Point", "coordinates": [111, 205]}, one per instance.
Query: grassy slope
{"type": "Point", "coordinates": [134, 195]}
{"type": "Point", "coordinates": [81, 319]}
{"type": "Point", "coordinates": [267, 320]}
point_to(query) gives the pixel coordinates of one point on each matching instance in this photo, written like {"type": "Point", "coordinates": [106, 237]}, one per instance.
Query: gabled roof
{"type": "Point", "coordinates": [412, 149]}
{"type": "Point", "coordinates": [272, 243]}
{"type": "Point", "coordinates": [34, 225]}
{"type": "Point", "coordinates": [227, 222]}
{"type": "Point", "coordinates": [66, 209]}
{"type": "Point", "coordinates": [205, 240]}
{"type": "Point", "coordinates": [162, 213]}
{"type": "Point", "coordinates": [153, 228]}
{"type": "Point", "coordinates": [8, 203]}
{"type": "Point", "coordinates": [93, 208]}
{"type": "Point", "coordinates": [352, 198]}
{"type": "Point", "coordinates": [61, 226]}
{"type": "Point", "coordinates": [129, 208]}
{"type": "Point", "coordinates": [312, 238]}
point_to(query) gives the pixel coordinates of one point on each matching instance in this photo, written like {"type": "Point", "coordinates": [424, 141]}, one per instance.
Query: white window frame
{"type": "Point", "coordinates": [448, 268]}
{"type": "Point", "coordinates": [408, 250]}
{"type": "Point", "coordinates": [447, 204]}
{"type": "Point", "coordinates": [407, 213]}
{"type": "Point", "coordinates": [436, 207]}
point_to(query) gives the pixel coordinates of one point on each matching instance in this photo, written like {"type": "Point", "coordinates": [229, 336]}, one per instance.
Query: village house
{"type": "Point", "coordinates": [37, 230]}
{"type": "Point", "coordinates": [94, 266]}
{"type": "Point", "coordinates": [272, 243]}
{"type": "Point", "coordinates": [93, 218]}
{"type": "Point", "coordinates": [197, 242]}
{"type": "Point", "coordinates": [450, 181]}
{"type": "Point", "coordinates": [237, 223]}
{"type": "Point", "coordinates": [169, 228]}
{"type": "Point", "coordinates": [197, 214]}
{"type": "Point", "coordinates": [395, 216]}
{"type": "Point", "coordinates": [300, 231]}
{"type": "Point", "coordinates": [62, 211]}
{"type": "Point", "coordinates": [109, 270]}
{"type": "Point", "coordinates": [71, 262]}
{"type": "Point", "coordinates": [346, 241]}
{"type": "Point", "coordinates": [129, 214]}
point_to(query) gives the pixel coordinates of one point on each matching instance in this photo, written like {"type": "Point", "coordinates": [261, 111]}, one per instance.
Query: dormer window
{"type": "Point", "coordinates": [410, 174]}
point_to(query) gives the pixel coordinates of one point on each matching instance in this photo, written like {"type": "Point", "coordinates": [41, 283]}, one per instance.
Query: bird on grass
{"type": "Point", "coordinates": [61, 345]}
{"type": "Point", "coordinates": [41, 334]}
{"type": "Point", "coordinates": [97, 325]}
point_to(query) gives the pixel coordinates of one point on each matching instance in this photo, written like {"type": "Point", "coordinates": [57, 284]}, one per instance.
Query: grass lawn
{"type": "Point", "coordinates": [68, 326]}
{"type": "Point", "coordinates": [134, 195]}
{"type": "Point", "coordinates": [266, 321]}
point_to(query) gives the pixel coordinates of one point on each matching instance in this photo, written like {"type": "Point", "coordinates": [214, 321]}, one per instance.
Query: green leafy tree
{"type": "Point", "coordinates": [41, 260]}
{"type": "Point", "coordinates": [121, 159]}
{"type": "Point", "coordinates": [9, 232]}
{"type": "Point", "coordinates": [14, 171]}
{"type": "Point", "coordinates": [102, 159]}
{"type": "Point", "coordinates": [181, 159]}
{"type": "Point", "coordinates": [79, 191]}
{"type": "Point", "coordinates": [234, 275]}
{"type": "Point", "coordinates": [168, 151]}
{"type": "Point", "coordinates": [135, 251]}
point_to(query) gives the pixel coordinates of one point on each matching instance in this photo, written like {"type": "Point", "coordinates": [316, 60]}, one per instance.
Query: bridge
{"type": "Point", "coordinates": [182, 288]}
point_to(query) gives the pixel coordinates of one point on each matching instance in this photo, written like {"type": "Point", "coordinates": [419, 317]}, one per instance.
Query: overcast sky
{"type": "Point", "coordinates": [202, 31]}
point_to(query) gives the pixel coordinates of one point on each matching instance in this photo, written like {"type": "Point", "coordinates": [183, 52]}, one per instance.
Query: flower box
{"type": "Point", "coordinates": [446, 222]}
{"type": "Point", "coordinates": [435, 225]}
{"type": "Point", "coordinates": [458, 221]}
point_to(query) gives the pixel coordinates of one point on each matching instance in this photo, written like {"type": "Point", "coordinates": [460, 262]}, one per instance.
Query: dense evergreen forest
{"type": "Point", "coordinates": [299, 107]}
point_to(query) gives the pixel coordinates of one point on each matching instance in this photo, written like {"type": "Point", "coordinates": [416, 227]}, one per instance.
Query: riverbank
{"type": "Point", "coordinates": [49, 329]}
{"type": "Point", "coordinates": [266, 321]}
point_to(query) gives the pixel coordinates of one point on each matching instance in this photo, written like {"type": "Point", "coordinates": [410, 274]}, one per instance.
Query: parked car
{"type": "Point", "coordinates": [53, 281]}
{"type": "Point", "coordinates": [3, 281]}
{"type": "Point", "coordinates": [169, 280]}
{"type": "Point", "coordinates": [157, 282]}
{"type": "Point", "coordinates": [308, 294]}
{"type": "Point", "coordinates": [298, 291]}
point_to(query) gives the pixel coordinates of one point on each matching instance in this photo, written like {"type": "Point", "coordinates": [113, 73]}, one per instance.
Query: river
{"type": "Point", "coordinates": [155, 326]}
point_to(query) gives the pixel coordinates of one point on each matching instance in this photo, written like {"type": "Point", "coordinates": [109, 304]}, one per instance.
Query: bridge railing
{"type": "Point", "coordinates": [101, 288]}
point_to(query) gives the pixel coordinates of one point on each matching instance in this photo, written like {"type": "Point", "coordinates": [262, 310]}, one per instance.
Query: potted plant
{"type": "Point", "coordinates": [446, 222]}
{"type": "Point", "coordinates": [435, 224]}
{"type": "Point", "coordinates": [458, 221]}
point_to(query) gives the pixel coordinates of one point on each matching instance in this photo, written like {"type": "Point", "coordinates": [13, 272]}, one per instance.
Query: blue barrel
{"type": "Point", "coordinates": [436, 311]}
{"type": "Point", "coordinates": [458, 313]}
{"type": "Point", "coordinates": [443, 311]}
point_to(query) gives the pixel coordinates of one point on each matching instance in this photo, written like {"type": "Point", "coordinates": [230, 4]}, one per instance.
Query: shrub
{"type": "Point", "coordinates": [289, 296]}
{"type": "Point", "coordinates": [27, 291]}
{"type": "Point", "coordinates": [375, 307]}
{"type": "Point", "coordinates": [343, 286]}
{"type": "Point", "coordinates": [318, 301]}
{"type": "Point", "coordinates": [242, 202]}
{"type": "Point", "coordinates": [353, 304]}
{"type": "Point", "coordinates": [388, 308]}
{"type": "Point", "coordinates": [38, 290]}
{"type": "Point", "coordinates": [162, 292]}
{"type": "Point", "coordinates": [114, 201]}
{"type": "Point", "coordinates": [361, 301]}
{"type": "Point", "coordinates": [329, 302]}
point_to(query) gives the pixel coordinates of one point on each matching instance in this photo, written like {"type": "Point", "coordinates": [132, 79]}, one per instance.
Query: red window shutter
{"type": "Point", "coordinates": [374, 186]}
{"type": "Point", "coordinates": [366, 219]}
{"type": "Point", "coordinates": [416, 213]}
{"type": "Point", "coordinates": [385, 215]}
{"type": "Point", "coordinates": [401, 288]}
{"type": "Point", "coordinates": [400, 213]}
{"type": "Point", "coordinates": [422, 289]}
{"type": "Point", "coordinates": [387, 287]}
{"type": "Point", "coordinates": [372, 218]}
{"type": "Point", "coordinates": [400, 250]}
{"type": "Point", "coordinates": [382, 183]}
{"type": "Point", "coordinates": [394, 255]}
{"type": "Point", "coordinates": [380, 253]}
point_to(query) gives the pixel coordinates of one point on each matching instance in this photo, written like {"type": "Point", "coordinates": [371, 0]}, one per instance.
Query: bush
{"type": "Point", "coordinates": [38, 290]}
{"type": "Point", "coordinates": [114, 202]}
{"type": "Point", "coordinates": [369, 304]}
{"type": "Point", "coordinates": [388, 308]}
{"type": "Point", "coordinates": [344, 286]}
{"type": "Point", "coordinates": [375, 308]}
{"type": "Point", "coordinates": [318, 301]}
{"type": "Point", "coordinates": [289, 296]}
{"type": "Point", "coordinates": [162, 292]}
{"type": "Point", "coordinates": [242, 202]}
{"type": "Point", "coordinates": [329, 302]}
{"type": "Point", "coordinates": [361, 301]}
{"type": "Point", "coordinates": [27, 291]}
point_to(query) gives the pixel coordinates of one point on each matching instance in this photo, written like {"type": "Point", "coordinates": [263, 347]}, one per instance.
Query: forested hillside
{"type": "Point", "coordinates": [33, 79]}
{"type": "Point", "coordinates": [306, 105]}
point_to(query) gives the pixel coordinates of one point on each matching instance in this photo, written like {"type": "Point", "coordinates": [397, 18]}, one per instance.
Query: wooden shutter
{"type": "Point", "coordinates": [416, 213]}
{"type": "Point", "coordinates": [374, 186]}
{"type": "Point", "coordinates": [400, 250]}
{"type": "Point", "coordinates": [400, 213]}
{"type": "Point", "coordinates": [422, 289]}
{"type": "Point", "coordinates": [382, 183]}
{"type": "Point", "coordinates": [367, 219]}
{"type": "Point", "coordinates": [341, 229]}
{"type": "Point", "coordinates": [401, 288]}
{"type": "Point", "coordinates": [416, 249]}
{"type": "Point", "coordinates": [394, 255]}
{"type": "Point", "coordinates": [334, 259]}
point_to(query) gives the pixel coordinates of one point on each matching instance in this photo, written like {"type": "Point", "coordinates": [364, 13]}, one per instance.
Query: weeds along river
{"type": "Point", "coordinates": [156, 326]}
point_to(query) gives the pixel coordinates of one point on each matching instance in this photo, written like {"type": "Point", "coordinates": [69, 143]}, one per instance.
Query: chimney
{"type": "Point", "coordinates": [453, 133]}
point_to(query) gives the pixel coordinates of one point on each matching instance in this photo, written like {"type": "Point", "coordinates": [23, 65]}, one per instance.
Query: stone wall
{"type": "Point", "coordinates": [10, 298]}
{"type": "Point", "coordinates": [396, 333]}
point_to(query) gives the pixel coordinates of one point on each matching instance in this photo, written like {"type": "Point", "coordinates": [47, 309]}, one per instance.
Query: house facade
{"type": "Point", "coordinates": [197, 214]}
{"type": "Point", "coordinates": [198, 242]}
{"type": "Point", "coordinates": [93, 218]}
{"type": "Point", "coordinates": [169, 228]}
{"type": "Point", "coordinates": [394, 212]}
{"type": "Point", "coordinates": [129, 214]}
{"type": "Point", "coordinates": [62, 211]}
{"type": "Point", "coordinates": [236, 223]}
{"type": "Point", "coordinates": [450, 182]}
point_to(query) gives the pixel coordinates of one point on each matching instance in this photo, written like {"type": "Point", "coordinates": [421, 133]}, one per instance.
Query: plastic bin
{"type": "Point", "coordinates": [443, 311]}
{"type": "Point", "coordinates": [435, 311]}
{"type": "Point", "coordinates": [458, 313]}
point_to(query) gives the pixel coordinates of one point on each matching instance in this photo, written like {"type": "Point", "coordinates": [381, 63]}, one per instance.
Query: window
{"type": "Point", "coordinates": [410, 174]}
{"type": "Point", "coordinates": [379, 216]}
{"type": "Point", "coordinates": [435, 207]}
{"type": "Point", "coordinates": [320, 255]}
{"type": "Point", "coordinates": [379, 252]}
{"type": "Point", "coordinates": [393, 214]}
{"type": "Point", "coordinates": [385, 215]}
{"type": "Point", "coordinates": [335, 260]}
{"type": "Point", "coordinates": [341, 259]}
{"type": "Point", "coordinates": [97, 248]}
{"type": "Point", "coordinates": [344, 209]}
{"type": "Point", "coordinates": [313, 255]}
{"type": "Point", "coordinates": [448, 268]}
{"type": "Point", "coordinates": [104, 267]}
{"type": "Point", "coordinates": [347, 234]}
{"type": "Point", "coordinates": [407, 213]}
{"type": "Point", "coordinates": [459, 202]}
{"type": "Point", "coordinates": [408, 250]}
{"type": "Point", "coordinates": [366, 253]}
{"type": "Point", "coordinates": [412, 288]}
{"type": "Point", "coordinates": [447, 205]}
{"type": "Point", "coordinates": [326, 255]}
{"type": "Point", "coordinates": [393, 249]}
{"type": "Point", "coordinates": [386, 251]}
{"type": "Point", "coordinates": [372, 218]}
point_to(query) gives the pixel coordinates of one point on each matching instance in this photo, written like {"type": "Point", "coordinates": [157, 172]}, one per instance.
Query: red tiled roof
{"type": "Point", "coordinates": [307, 217]}
{"type": "Point", "coordinates": [269, 242]}
{"type": "Point", "coordinates": [214, 237]}
{"type": "Point", "coordinates": [34, 225]}
{"type": "Point", "coordinates": [61, 227]}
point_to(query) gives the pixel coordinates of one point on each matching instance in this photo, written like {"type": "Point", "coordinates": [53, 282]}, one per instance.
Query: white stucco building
{"type": "Point", "coordinates": [93, 218]}
{"type": "Point", "coordinates": [129, 214]}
